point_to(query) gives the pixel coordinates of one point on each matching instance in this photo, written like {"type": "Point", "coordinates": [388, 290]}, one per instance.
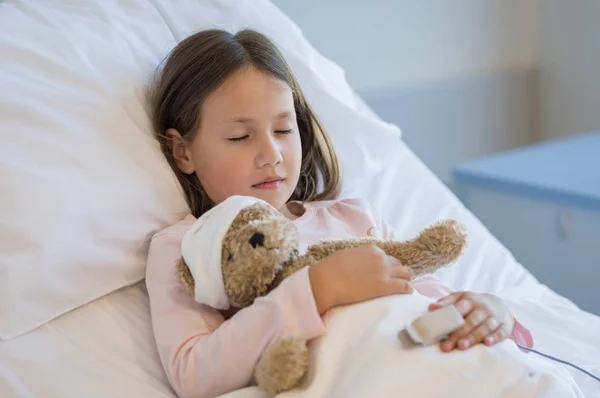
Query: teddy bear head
{"type": "Point", "coordinates": [256, 246]}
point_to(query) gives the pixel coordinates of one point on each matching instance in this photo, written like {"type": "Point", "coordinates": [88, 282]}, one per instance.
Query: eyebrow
{"type": "Point", "coordinates": [280, 116]}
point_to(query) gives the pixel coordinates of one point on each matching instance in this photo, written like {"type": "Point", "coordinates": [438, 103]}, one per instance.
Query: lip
{"type": "Point", "coordinates": [269, 180]}
{"type": "Point", "coordinates": [269, 183]}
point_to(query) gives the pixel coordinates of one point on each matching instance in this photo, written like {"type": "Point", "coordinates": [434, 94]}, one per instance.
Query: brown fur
{"type": "Point", "coordinates": [283, 365]}
{"type": "Point", "coordinates": [250, 272]}
{"type": "Point", "coordinates": [436, 246]}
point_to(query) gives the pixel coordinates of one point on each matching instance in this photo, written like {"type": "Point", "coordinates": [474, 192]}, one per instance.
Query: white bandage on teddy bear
{"type": "Point", "coordinates": [201, 249]}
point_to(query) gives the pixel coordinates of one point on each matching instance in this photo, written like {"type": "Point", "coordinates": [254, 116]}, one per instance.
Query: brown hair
{"type": "Point", "coordinates": [196, 67]}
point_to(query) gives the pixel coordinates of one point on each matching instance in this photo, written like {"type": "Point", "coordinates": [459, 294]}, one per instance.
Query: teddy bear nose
{"type": "Point", "coordinates": [257, 239]}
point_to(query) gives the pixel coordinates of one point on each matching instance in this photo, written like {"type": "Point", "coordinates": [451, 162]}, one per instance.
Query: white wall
{"type": "Point", "coordinates": [569, 67]}
{"type": "Point", "coordinates": [385, 43]}
{"type": "Point", "coordinates": [455, 76]}
{"type": "Point", "coordinates": [454, 120]}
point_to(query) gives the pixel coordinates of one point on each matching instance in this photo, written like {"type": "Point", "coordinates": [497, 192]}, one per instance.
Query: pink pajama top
{"type": "Point", "coordinates": [206, 355]}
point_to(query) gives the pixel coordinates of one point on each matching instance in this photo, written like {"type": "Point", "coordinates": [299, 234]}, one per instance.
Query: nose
{"type": "Point", "coordinates": [257, 239]}
{"type": "Point", "coordinates": [270, 153]}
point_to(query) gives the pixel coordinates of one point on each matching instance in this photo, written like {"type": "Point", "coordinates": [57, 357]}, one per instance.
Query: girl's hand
{"type": "Point", "coordinates": [355, 275]}
{"type": "Point", "coordinates": [487, 320]}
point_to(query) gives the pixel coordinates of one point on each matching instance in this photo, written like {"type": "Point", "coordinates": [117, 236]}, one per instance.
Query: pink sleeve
{"type": "Point", "coordinates": [521, 335]}
{"type": "Point", "coordinates": [431, 286]}
{"type": "Point", "coordinates": [205, 355]}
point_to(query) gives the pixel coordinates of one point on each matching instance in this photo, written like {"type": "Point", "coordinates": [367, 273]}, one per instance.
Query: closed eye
{"type": "Point", "coordinates": [236, 139]}
{"type": "Point", "coordinates": [241, 138]}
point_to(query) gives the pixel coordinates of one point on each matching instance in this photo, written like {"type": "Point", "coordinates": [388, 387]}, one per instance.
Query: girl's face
{"type": "Point", "coordinates": [248, 142]}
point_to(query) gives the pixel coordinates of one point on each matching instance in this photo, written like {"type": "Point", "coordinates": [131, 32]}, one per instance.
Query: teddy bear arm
{"type": "Point", "coordinates": [419, 258]}
{"type": "Point", "coordinates": [326, 248]}
{"type": "Point", "coordinates": [419, 254]}
{"type": "Point", "coordinates": [291, 267]}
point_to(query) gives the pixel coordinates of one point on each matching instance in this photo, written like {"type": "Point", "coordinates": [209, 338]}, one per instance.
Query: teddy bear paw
{"type": "Point", "coordinates": [283, 365]}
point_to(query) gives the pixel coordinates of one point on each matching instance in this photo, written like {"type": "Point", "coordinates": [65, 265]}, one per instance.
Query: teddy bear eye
{"type": "Point", "coordinates": [229, 256]}
{"type": "Point", "coordinates": [257, 239]}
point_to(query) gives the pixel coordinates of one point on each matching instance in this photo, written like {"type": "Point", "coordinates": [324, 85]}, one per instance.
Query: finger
{"type": "Point", "coordinates": [400, 271]}
{"type": "Point", "coordinates": [460, 337]}
{"type": "Point", "coordinates": [450, 343]}
{"type": "Point", "coordinates": [398, 286]}
{"type": "Point", "coordinates": [452, 298]}
{"type": "Point", "coordinates": [465, 305]}
{"type": "Point", "coordinates": [479, 333]}
{"type": "Point", "coordinates": [496, 336]}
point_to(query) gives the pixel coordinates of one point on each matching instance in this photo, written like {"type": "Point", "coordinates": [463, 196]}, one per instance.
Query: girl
{"type": "Point", "coordinates": [232, 120]}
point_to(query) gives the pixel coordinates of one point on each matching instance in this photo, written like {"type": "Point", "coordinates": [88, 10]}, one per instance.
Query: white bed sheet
{"type": "Point", "coordinates": [106, 348]}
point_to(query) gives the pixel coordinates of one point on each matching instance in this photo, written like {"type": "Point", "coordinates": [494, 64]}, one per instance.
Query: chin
{"type": "Point", "coordinates": [277, 198]}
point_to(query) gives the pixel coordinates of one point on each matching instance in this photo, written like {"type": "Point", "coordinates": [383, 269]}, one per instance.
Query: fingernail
{"type": "Point", "coordinates": [489, 340]}
{"type": "Point", "coordinates": [464, 343]}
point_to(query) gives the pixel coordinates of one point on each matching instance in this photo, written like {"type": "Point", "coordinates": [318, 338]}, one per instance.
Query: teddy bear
{"type": "Point", "coordinates": [243, 248]}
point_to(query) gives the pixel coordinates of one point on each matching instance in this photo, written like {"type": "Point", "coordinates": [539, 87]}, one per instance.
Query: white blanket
{"type": "Point", "coordinates": [106, 349]}
{"type": "Point", "coordinates": [361, 355]}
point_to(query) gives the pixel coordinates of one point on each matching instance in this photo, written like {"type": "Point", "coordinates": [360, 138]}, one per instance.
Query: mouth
{"type": "Point", "coordinates": [269, 183]}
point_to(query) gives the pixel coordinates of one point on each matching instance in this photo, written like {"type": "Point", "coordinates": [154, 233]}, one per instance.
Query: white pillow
{"type": "Point", "coordinates": [84, 184]}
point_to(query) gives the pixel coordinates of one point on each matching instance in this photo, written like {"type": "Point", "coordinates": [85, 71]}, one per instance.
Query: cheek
{"type": "Point", "coordinates": [220, 174]}
{"type": "Point", "coordinates": [295, 152]}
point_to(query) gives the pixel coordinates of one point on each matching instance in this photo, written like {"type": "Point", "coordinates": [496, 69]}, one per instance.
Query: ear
{"type": "Point", "coordinates": [181, 151]}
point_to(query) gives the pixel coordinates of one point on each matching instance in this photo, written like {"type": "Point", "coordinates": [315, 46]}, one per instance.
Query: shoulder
{"type": "Point", "coordinates": [175, 230]}
{"type": "Point", "coordinates": [165, 245]}
{"type": "Point", "coordinates": [354, 207]}
{"type": "Point", "coordinates": [356, 213]}
{"type": "Point", "coordinates": [350, 204]}
{"type": "Point", "coordinates": [349, 209]}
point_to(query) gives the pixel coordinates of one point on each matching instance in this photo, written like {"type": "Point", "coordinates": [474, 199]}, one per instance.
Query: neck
{"type": "Point", "coordinates": [292, 210]}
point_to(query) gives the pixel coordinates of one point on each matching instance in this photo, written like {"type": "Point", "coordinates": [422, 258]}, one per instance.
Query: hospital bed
{"type": "Point", "coordinates": [84, 187]}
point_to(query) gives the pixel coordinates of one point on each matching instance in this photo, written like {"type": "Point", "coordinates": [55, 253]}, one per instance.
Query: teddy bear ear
{"type": "Point", "coordinates": [256, 211]}
{"type": "Point", "coordinates": [184, 276]}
